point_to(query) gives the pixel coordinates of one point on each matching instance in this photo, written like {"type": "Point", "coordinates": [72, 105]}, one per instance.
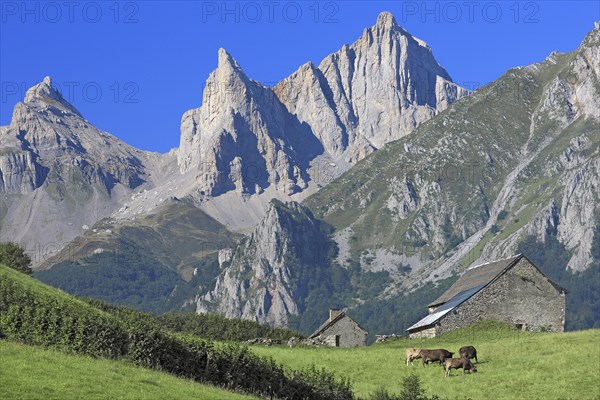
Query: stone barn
{"type": "Point", "coordinates": [340, 331]}
{"type": "Point", "coordinates": [513, 290]}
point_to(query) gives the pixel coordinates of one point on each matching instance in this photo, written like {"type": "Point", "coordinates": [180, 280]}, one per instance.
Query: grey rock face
{"type": "Point", "coordinates": [242, 138]}
{"type": "Point", "coordinates": [376, 90]}
{"type": "Point", "coordinates": [19, 170]}
{"type": "Point", "coordinates": [59, 173]}
{"type": "Point", "coordinates": [49, 128]}
{"type": "Point", "coordinates": [247, 137]}
{"type": "Point", "coordinates": [266, 279]}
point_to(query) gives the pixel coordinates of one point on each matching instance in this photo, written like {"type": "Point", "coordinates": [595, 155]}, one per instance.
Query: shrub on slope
{"type": "Point", "coordinates": [33, 313]}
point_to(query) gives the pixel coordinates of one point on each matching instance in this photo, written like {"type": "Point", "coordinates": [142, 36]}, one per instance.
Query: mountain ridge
{"type": "Point", "coordinates": [404, 199]}
{"type": "Point", "coordinates": [517, 158]}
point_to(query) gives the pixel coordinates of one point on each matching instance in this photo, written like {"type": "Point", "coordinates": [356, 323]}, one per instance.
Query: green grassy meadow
{"type": "Point", "coordinates": [512, 364]}
{"type": "Point", "coordinates": [30, 372]}
{"type": "Point", "coordinates": [56, 346]}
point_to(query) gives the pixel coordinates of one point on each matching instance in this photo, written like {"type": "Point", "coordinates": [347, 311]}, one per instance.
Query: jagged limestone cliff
{"type": "Point", "coordinates": [247, 137]}
{"type": "Point", "coordinates": [267, 276]}
{"type": "Point", "coordinates": [242, 138]}
{"type": "Point", "coordinates": [518, 157]}
{"type": "Point", "coordinates": [248, 143]}
{"type": "Point", "coordinates": [371, 92]}
{"type": "Point", "coordinates": [58, 173]}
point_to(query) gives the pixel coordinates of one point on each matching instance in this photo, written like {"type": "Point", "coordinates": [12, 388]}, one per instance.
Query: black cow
{"type": "Point", "coordinates": [439, 355]}
{"type": "Point", "coordinates": [468, 352]}
{"type": "Point", "coordinates": [457, 363]}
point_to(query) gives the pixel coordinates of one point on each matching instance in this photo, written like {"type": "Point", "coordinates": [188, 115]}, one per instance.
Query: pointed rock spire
{"type": "Point", "coordinates": [45, 93]}
{"type": "Point", "coordinates": [241, 121]}
{"type": "Point", "coordinates": [267, 284]}
{"type": "Point", "coordinates": [386, 25]}
{"type": "Point", "coordinates": [386, 20]}
{"type": "Point", "coordinates": [386, 63]}
{"type": "Point", "coordinates": [228, 65]}
{"type": "Point", "coordinates": [225, 59]}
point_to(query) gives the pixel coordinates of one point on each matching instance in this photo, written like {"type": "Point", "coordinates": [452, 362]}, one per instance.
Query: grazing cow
{"type": "Point", "coordinates": [412, 354]}
{"type": "Point", "coordinates": [439, 355]}
{"type": "Point", "coordinates": [457, 363]}
{"type": "Point", "coordinates": [468, 352]}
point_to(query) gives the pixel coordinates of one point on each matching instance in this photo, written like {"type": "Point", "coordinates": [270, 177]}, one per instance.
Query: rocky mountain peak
{"type": "Point", "coordinates": [391, 39]}
{"type": "Point", "coordinates": [268, 276]}
{"type": "Point", "coordinates": [386, 22]}
{"type": "Point", "coordinates": [227, 86]}
{"type": "Point", "coordinates": [283, 217]}
{"type": "Point", "coordinates": [45, 93]}
{"type": "Point", "coordinates": [61, 171]}
{"type": "Point", "coordinates": [240, 127]}
{"type": "Point", "coordinates": [228, 64]}
{"type": "Point", "coordinates": [370, 92]}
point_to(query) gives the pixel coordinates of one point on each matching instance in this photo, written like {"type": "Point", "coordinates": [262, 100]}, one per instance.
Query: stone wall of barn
{"type": "Point", "coordinates": [522, 297]}
{"type": "Point", "coordinates": [423, 334]}
{"type": "Point", "coordinates": [349, 332]}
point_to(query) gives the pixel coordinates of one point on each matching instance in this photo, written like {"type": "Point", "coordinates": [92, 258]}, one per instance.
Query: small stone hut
{"type": "Point", "coordinates": [340, 331]}
{"type": "Point", "coordinates": [513, 290]}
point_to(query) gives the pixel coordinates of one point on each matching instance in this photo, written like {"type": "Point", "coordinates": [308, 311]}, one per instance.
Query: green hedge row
{"type": "Point", "coordinates": [45, 317]}
{"type": "Point", "coordinates": [236, 365]}
{"type": "Point", "coordinates": [227, 364]}
{"type": "Point", "coordinates": [217, 327]}
{"type": "Point", "coordinates": [28, 317]}
{"type": "Point", "coordinates": [207, 326]}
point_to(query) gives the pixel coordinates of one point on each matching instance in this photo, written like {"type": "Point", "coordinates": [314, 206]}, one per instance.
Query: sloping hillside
{"type": "Point", "coordinates": [30, 372]}
{"type": "Point", "coordinates": [152, 262]}
{"type": "Point", "coordinates": [36, 314]}
{"type": "Point", "coordinates": [518, 157]}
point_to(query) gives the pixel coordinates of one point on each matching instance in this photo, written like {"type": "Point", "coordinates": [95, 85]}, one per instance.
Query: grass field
{"type": "Point", "coordinates": [512, 364]}
{"type": "Point", "coordinates": [29, 372]}
{"type": "Point", "coordinates": [86, 353]}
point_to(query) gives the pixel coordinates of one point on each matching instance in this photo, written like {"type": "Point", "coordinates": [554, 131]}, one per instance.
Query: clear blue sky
{"type": "Point", "coordinates": [133, 68]}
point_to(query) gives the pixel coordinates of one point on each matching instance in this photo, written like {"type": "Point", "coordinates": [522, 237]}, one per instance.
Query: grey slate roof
{"type": "Point", "coordinates": [472, 281]}
{"type": "Point", "coordinates": [476, 276]}
{"type": "Point", "coordinates": [331, 322]}
{"type": "Point", "coordinates": [446, 308]}
{"type": "Point", "coordinates": [326, 325]}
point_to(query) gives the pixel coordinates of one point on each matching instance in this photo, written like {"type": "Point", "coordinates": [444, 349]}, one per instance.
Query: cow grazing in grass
{"type": "Point", "coordinates": [457, 363]}
{"type": "Point", "coordinates": [468, 352]}
{"type": "Point", "coordinates": [439, 355]}
{"type": "Point", "coordinates": [412, 354]}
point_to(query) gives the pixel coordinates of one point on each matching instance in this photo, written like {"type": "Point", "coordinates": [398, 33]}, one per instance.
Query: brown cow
{"type": "Point", "coordinates": [439, 355]}
{"type": "Point", "coordinates": [468, 352]}
{"type": "Point", "coordinates": [412, 354]}
{"type": "Point", "coordinates": [457, 363]}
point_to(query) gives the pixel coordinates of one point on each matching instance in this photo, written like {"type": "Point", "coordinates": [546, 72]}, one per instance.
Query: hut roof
{"type": "Point", "coordinates": [331, 322]}
{"type": "Point", "coordinates": [470, 283]}
{"type": "Point", "coordinates": [477, 276]}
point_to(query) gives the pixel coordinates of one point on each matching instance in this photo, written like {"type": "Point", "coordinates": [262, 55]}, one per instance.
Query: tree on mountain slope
{"type": "Point", "coordinates": [14, 256]}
